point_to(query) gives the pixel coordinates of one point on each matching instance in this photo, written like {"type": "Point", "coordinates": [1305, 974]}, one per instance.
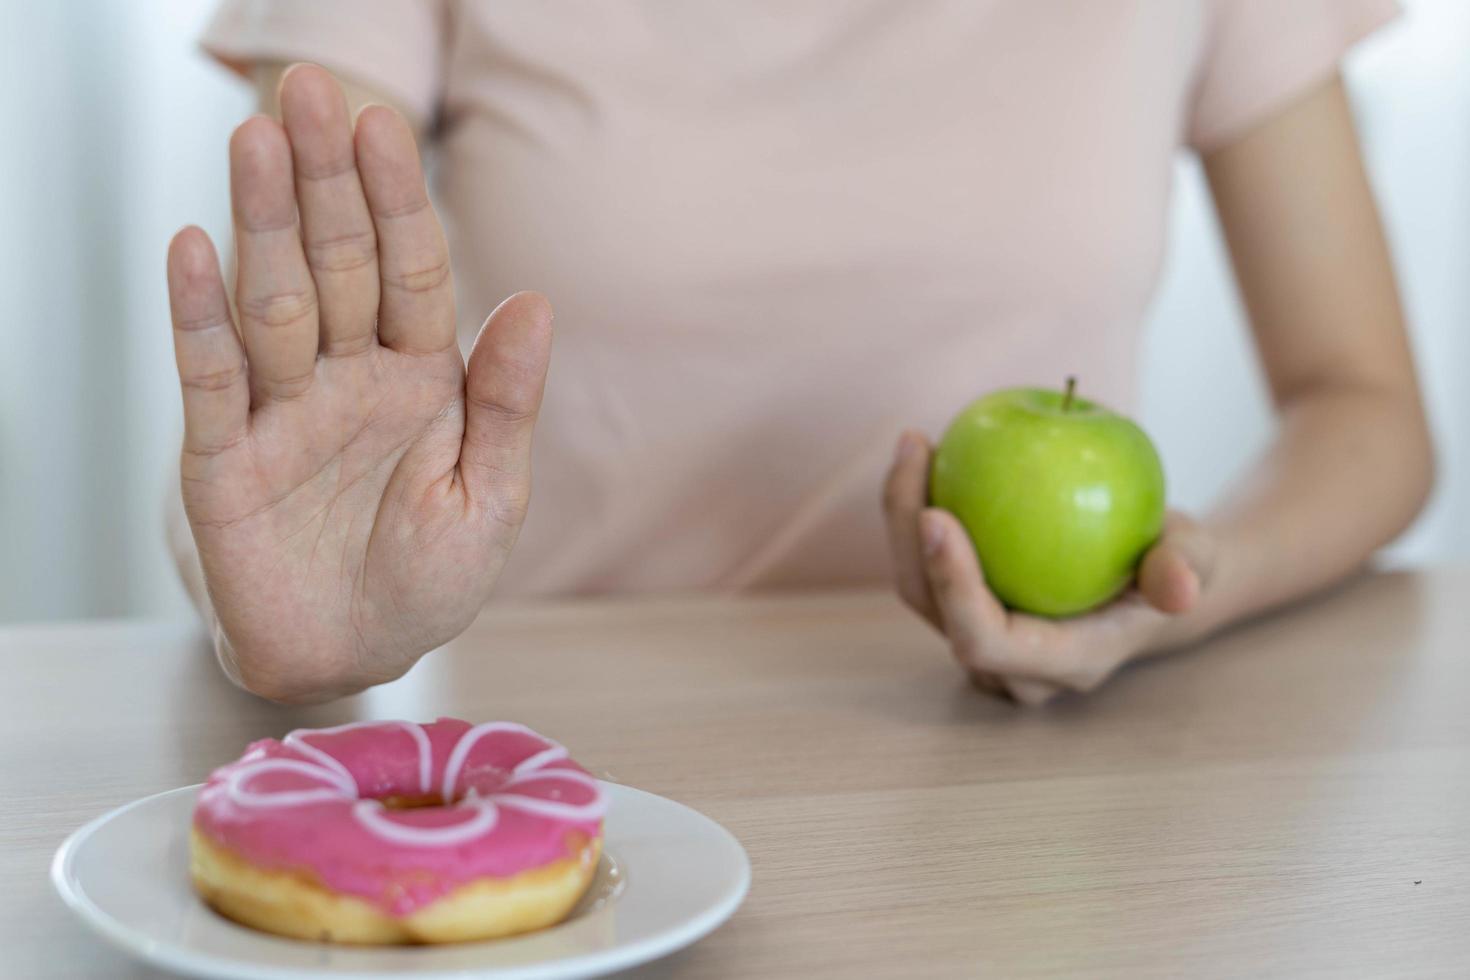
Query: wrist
{"type": "Point", "coordinates": [288, 676]}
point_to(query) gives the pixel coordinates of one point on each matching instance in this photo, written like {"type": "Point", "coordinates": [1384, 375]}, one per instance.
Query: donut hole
{"type": "Point", "coordinates": [417, 802]}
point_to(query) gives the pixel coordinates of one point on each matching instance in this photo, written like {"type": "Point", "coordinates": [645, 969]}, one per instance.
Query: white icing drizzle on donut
{"type": "Point", "coordinates": [373, 816]}
{"type": "Point", "coordinates": [467, 741]}
{"type": "Point", "coordinates": [555, 753]}
{"type": "Point", "coordinates": [241, 795]}
{"type": "Point", "coordinates": [297, 741]}
{"type": "Point", "coordinates": [556, 809]}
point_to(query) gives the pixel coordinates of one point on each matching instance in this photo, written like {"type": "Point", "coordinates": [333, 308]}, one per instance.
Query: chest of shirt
{"type": "Point", "coordinates": [1021, 148]}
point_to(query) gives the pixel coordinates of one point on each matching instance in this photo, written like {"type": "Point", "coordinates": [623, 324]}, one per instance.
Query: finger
{"type": "Point", "coordinates": [1080, 653]}
{"type": "Point", "coordinates": [973, 618]}
{"type": "Point", "coordinates": [985, 636]}
{"type": "Point", "coordinates": [905, 493]}
{"type": "Point", "coordinates": [416, 312]}
{"type": "Point", "coordinates": [340, 244]}
{"type": "Point", "coordinates": [211, 364]}
{"type": "Point", "coordinates": [1173, 571]}
{"type": "Point", "coordinates": [274, 292]}
{"type": "Point", "coordinates": [503, 386]}
{"type": "Point", "coordinates": [1031, 693]}
{"type": "Point", "coordinates": [1166, 580]}
{"type": "Point", "coordinates": [988, 683]}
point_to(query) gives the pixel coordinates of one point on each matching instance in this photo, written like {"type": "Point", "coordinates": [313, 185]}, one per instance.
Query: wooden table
{"type": "Point", "coordinates": [1293, 799]}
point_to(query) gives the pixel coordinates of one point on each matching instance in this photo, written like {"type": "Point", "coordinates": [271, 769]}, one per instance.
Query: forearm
{"type": "Point", "coordinates": [1349, 469]}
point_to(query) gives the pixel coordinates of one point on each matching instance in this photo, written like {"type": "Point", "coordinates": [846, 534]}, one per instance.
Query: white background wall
{"type": "Point", "coordinates": [113, 133]}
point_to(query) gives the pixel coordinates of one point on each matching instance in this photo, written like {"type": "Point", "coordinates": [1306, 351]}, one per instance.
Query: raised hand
{"type": "Point", "coordinates": [1028, 658]}
{"type": "Point", "coordinates": [353, 488]}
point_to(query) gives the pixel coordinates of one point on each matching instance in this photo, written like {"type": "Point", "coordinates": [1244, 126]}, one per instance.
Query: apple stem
{"type": "Point", "coordinates": [1071, 390]}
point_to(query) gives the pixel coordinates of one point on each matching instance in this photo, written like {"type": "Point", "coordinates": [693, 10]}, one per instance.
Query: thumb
{"type": "Point", "coordinates": [503, 387]}
{"type": "Point", "coordinates": [1175, 570]}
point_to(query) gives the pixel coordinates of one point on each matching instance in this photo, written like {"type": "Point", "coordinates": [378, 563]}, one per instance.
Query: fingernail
{"type": "Point", "coordinates": [931, 530]}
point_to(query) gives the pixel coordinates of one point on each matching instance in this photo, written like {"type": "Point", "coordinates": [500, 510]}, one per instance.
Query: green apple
{"type": "Point", "coordinates": [1060, 496]}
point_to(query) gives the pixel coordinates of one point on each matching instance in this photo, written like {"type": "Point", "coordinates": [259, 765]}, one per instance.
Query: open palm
{"type": "Point", "coordinates": [352, 487]}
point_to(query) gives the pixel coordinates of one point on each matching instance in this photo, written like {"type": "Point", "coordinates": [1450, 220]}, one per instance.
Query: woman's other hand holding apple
{"type": "Point", "coordinates": [1349, 467]}
{"type": "Point", "coordinates": [1027, 658]}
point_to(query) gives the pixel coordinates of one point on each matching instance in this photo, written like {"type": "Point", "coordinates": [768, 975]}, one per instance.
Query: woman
{"type": "Point", "coordinates": [777, 234]}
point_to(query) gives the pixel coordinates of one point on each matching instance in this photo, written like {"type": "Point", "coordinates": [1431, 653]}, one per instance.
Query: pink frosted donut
{"type": "Point", "coordinates": [397, 832]}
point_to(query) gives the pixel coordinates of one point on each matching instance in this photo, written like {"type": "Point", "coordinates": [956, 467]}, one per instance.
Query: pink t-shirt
{"type": "Point", "coordinates": [778, 231]}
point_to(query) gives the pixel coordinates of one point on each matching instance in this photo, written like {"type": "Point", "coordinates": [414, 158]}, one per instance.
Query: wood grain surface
{"type": "Point", "coordinates": [1292, 799]}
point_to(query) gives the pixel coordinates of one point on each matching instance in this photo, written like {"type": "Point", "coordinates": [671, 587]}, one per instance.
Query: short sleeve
{"type": "Point", "coordinates": [394, 47]}
{"type": "Point", "coordinates": [1260, 54]}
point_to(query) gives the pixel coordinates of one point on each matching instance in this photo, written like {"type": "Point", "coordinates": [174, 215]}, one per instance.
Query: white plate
{"type": "Point", "coordinates": [670, 876]}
